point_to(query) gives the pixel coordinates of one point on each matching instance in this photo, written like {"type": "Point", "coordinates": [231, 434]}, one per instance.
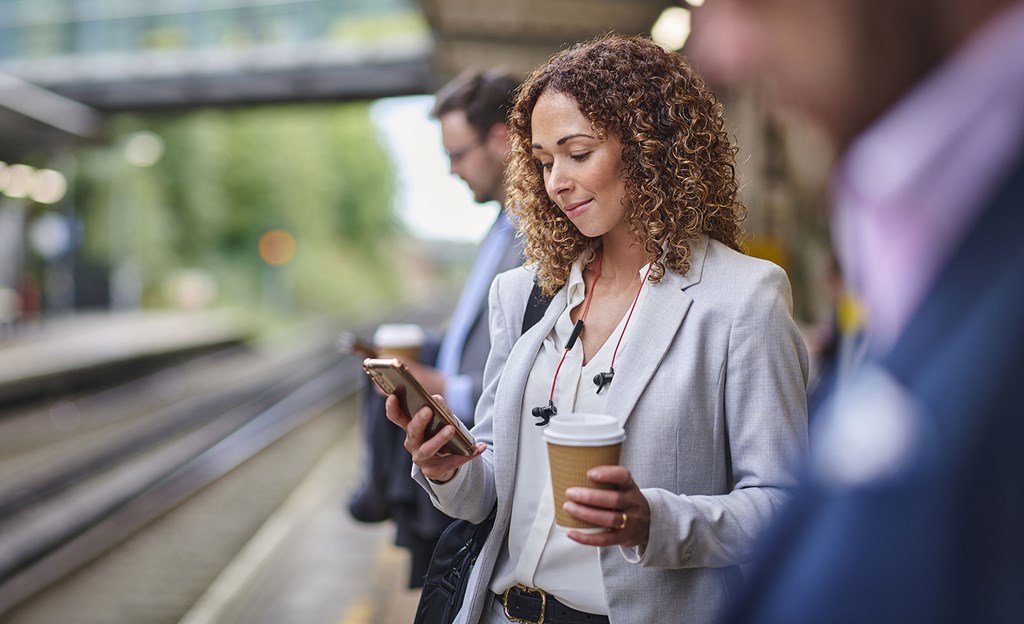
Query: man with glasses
{"type": "Point", "coordinates": [471, 109]}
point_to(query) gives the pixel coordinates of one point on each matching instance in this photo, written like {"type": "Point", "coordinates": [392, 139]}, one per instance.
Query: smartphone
{"type": "Point", "coordinates": [393, 377]}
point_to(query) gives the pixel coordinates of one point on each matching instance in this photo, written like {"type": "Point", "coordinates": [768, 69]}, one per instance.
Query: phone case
{"type": "Point", "coordinates": [393, 377]}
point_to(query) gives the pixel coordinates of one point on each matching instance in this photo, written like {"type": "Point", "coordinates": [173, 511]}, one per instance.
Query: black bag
{"type": "Point", "coordinates": [444, 587]}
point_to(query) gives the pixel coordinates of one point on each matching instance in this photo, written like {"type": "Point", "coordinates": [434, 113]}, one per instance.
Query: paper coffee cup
{"type": "Point", "coordinates": [399, 340]}
{"type": "Point", "coordinates": [577, 443]}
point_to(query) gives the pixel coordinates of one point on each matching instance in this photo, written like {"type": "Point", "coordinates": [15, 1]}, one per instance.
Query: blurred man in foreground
{"type": "Point", "coordinates": [472, 109]}
{"type": "Point", "coordinates": [912, 511]}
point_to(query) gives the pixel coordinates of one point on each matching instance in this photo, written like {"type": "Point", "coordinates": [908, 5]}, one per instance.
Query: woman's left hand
{"type": "Point", "coordinates": [624, 509]}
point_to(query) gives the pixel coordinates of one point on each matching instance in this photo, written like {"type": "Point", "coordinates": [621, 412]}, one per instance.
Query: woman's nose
{"type": "Point", "coordinates": [557, 180]}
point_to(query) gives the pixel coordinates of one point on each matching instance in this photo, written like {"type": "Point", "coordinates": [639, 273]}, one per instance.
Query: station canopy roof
{"type": "Point", "coordinates": [39, 115]}
{"type": "Point", "coordinates": [35, 120]}
{"type": "Point", "coordinates": [520, 34]}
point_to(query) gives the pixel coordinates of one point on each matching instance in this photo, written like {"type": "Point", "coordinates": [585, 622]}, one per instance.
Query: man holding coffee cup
{"type": "Point", "coordinates": [471, 109]}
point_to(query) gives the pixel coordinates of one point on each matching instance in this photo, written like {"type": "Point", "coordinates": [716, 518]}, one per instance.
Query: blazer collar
{"type": "Point", "coordinates": [698, 254]}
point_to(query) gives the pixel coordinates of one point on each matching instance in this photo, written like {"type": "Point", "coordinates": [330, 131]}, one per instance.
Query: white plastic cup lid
{"type": "Point", "coordinates": [399, 335]}
{"type": "Point", "coordinates": [584, 430]}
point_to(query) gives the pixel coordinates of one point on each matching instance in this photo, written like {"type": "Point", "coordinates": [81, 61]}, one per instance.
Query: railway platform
{"type": "Point", "coordinates": [312, 563]}
{"type": "Point", "coordinates": [41, 357]}
{"type": "Point", "coordinates": [209, 485]}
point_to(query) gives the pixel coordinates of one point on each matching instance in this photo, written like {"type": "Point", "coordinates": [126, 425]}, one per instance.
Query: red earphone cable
{"type": "Point", "coordinates": [575, 333]}
{"type": "Point", "coordinates": [631, 308]}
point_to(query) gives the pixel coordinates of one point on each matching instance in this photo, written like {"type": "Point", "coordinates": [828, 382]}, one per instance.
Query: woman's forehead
{"type": "Point", "coordinates": [556, 115]}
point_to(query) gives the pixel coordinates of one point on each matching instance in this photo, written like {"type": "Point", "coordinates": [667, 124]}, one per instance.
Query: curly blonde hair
{"type": "Point", "coordinates": [679, 163]}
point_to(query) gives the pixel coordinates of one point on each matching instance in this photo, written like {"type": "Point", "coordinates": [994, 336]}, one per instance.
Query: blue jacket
{"type": "Point", "coordinates": [937, 537]}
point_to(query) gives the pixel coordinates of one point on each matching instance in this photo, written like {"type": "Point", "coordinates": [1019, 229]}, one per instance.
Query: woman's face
{"type": "Point", "coordinates": [582, 172]}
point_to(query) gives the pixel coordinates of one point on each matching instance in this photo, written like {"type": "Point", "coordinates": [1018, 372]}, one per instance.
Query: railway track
{"type": "Point", "coordinates": [79, 476]}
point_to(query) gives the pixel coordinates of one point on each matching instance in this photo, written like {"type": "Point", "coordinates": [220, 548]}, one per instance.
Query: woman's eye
{"type": "Point", "coordinates": [580, 157]}
{"type": "Point", "coordinates": [544, 166]}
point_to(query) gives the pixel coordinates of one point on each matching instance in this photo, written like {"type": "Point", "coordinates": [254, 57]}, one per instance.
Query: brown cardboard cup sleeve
{"type": "Point", "coordinates": [576, 443]}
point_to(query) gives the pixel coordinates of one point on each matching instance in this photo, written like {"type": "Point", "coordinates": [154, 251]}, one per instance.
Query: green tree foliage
{"type": "Point", "coordinates": [225, 178]}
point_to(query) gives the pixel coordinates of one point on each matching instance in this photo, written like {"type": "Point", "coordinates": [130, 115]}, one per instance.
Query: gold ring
{"type": "Point", "coordinates": [622, 524]}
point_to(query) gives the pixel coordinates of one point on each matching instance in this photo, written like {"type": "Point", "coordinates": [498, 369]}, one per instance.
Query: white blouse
{"type": "Point", "coordinates": [537, 553]}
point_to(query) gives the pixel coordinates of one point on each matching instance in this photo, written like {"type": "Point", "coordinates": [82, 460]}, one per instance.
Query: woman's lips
{"type": "Point", "coordinates": [576, 209]}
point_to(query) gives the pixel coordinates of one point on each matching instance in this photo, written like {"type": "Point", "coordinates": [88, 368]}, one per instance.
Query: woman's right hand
{"type": "Point", "coordinates": [424, 450]}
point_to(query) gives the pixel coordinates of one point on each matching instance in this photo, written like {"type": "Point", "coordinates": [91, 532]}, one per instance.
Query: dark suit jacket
{"type": "Point", "coordinates": [939, 538]}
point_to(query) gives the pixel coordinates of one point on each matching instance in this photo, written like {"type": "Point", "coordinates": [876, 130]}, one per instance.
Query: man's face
{"type": "Point", "coordinates": [838, 62]}
{"type": "Point", "coordinates": [478, 161]}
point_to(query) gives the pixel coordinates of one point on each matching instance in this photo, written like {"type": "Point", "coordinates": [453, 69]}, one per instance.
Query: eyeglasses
{"type": "Point", "coordinates": [457, 155]}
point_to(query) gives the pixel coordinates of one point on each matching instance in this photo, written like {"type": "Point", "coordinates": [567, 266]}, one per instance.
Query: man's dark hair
{"type": "Point", "coordinates": [486, 97]}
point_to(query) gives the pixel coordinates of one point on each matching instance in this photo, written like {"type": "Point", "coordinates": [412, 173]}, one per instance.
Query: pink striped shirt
{"type": "Point", "coordinates": [909, 189]}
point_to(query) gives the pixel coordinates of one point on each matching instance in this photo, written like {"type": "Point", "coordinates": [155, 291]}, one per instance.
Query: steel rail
{"type": "Point", "coordinates": [44, 547]}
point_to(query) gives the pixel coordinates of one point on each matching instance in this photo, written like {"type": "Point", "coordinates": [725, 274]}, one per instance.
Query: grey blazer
{"type": "Point", "coordinates": [713, 389]}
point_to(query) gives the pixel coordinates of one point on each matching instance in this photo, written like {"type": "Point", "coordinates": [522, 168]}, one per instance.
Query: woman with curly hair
{"type": "Point", "coordinates": [622, 180]}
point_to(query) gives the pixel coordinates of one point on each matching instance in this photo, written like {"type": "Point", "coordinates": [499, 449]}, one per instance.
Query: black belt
{"type": "Point", "coordinates": [530, 605]}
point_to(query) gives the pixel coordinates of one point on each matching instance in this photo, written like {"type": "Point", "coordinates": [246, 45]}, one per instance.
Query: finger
{"type": "Point", "coordinates": [436, 442]}
{"type": "Point", "coordinates": [594, 497]}
{"type": "Point", "coordinates": [613, 475]}
{"type": "Point", "coordinates": [394, 412]}
{"type": "Point", "coordinates": [604, 538]}
{"type": "Point", "coordinates": [416, 431]}
{"type": "Point", "coordinates": [635, 533]}
{"type": "Point", "coordinates": [436, 465]}
{"type": "Point", "coordinates": [602, 517]}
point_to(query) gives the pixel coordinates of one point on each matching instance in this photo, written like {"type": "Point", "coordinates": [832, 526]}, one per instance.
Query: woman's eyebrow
{"type": "Point", "coordinates": [562, 140]}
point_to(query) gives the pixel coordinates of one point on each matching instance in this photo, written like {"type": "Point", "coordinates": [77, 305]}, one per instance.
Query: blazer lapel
{"type": "Point", "coordinates": [509, 398]}
{"type": "Point", "coordinates": [657, 323]}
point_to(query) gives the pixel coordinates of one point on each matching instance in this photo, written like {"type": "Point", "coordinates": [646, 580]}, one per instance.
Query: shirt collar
{"type": "Point", "coordinates": [899, 148]}
{"type": "Point", "coordinates": [575, 287]}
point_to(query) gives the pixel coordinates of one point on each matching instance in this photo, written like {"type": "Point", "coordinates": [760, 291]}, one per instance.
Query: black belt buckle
{"type": "Point", "coordinates": [520, 590]}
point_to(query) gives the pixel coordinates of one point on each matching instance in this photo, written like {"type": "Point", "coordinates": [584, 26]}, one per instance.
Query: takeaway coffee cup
{"type": "Point", "coordinates": [577, 443]}
{"type": "Point", "coordinates": [399, 340]}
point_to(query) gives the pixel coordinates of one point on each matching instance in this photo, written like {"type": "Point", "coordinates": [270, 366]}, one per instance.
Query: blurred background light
{"type": "Point", "coordinates": [277, 247]}
{"type": "Point", "coordinates": [51, 235]}
{"type": "Point", "coordinates": [21, 181]}
{"type": "Point", "coordinates": [191, 289]}
{"type": "Point", "coordinates": [143, 149]}
{"type": "Point", "coordinates": [50, 186]}
{"type": "Point", "coordinates": [672, 28]}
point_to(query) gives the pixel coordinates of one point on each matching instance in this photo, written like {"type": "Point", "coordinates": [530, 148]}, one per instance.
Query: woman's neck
{"type": "Point", "coordinates": [622, 262]}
